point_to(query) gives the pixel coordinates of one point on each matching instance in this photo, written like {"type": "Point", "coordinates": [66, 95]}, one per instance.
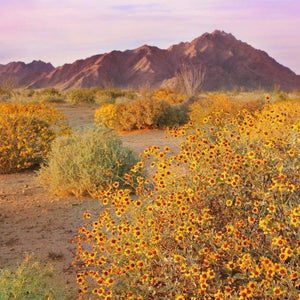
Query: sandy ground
{"type": "Point", "coordinates": [35, 222]}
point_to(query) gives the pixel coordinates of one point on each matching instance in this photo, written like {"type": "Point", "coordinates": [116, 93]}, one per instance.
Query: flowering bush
{"type": "Point", "coordinates": [224, 106]}
{"type": "Point", "coordinates": [218, 220]}
{"type": "Point", "coordinates": [26, 132]}
{"type": "Point", "coordinates": [106, 115]}
{"type": "Point", "coordinates": [169, 96]}
{"type": "Point", "coordinates": [47, 113]}
{"type": "Point", "coordinates": [139, 114]}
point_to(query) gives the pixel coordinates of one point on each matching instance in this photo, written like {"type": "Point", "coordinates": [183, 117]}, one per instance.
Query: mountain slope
{"type": "Point", "coordinates": [19, 74]}
{"type": "Point", "coordinates": [222, 62]}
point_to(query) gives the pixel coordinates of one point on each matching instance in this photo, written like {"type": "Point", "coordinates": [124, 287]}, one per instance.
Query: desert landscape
{"type": "Point", "coordinates": [37, 223]}
{"type": "Point", "coordinates": [149, 150]}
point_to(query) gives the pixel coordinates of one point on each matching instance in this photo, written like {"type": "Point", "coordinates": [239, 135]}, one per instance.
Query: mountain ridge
{"type": "Point", "coordinates": [218, 59]}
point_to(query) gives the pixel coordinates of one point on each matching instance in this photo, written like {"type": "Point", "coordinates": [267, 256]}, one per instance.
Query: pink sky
{"type": "Point", "coordinates": [61, 31]}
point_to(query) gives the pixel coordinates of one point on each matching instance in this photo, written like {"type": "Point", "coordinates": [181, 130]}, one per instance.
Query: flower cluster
{"type": "Point", "coordinates": [217, 220]}
{"type": "Point", "coordinates": [169, 95]}
{"type": "Point", "coordinates": [139, 114]}
{"type": "Point", "coordinates": [26, 131]}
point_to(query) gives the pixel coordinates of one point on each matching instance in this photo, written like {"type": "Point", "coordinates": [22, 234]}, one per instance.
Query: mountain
{"type": "Point", "coordinates": [212, 61]}
{"type": "Point", "coordinates": [19, 74]}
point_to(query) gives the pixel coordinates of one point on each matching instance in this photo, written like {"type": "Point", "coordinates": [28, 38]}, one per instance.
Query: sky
{"type": "Point", "coordinates": [62, 31]}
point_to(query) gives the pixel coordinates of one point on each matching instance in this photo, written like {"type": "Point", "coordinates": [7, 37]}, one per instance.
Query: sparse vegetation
{"type": "Point", "coordinates": [219, 219]}
{"type": "Point", "coordinates": [85, 162]}
{"type": "Point", "coordinates": [28, 281]}
{"type": "Point", "coordinates": [81, 96]}
{"type": "Point", "coordinates": [189, 79]}
{"type": "Point", "coordinates": [48, 95]}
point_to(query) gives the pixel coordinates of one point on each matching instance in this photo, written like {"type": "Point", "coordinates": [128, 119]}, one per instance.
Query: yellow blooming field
{"type": "Point", "coordinates": [218, 220]}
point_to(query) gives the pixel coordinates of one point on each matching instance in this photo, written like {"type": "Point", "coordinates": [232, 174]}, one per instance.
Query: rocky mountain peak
{"type": "Point", "coordinates": [229, 63]}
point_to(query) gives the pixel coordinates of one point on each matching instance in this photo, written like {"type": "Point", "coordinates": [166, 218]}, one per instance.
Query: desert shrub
{"type": "Point", "coordinates": [29, 93]}
{"type": "Point", "coordinates": [103, 99]}
{"type": "Point", "coordinates": [201, 109]}
{"type": "Point", "coordinates": [294, 94]}
{"type": "Point", "coordinates": [49, 95]}
{"type": "Point", "coordinates": [122, 100]}
{"type": "Point", "coordinates": [29, 281]}
{"type": "Point", "coordinates": [81, 96]}
{"type": "Point", "coordinates": [47, 113]}
{"type": "Point", "coordinates": [131, 94]}
{"type": "Point", "coordinates": [188, 80]}
{"type": "Point", "coordinates": [85, 162]}
{"type": "Point", "coordinates": [282, 96]}
{"type": "Point", "coordinates": [218, 220]}
{"type": "Point", "coordinates": [169, 96]}
{"type": "Point", "coordinates": [106, 116]}
{"type": "Point", "coordinates": [4, 94]}
{"type": "Point", "coordinates": [102, 96]}
{"type": "Point", "coordinates": [113, 95]}
{"type": "Point", "coordinates": [26, 132]}
{"type": "Point", "coordinates": [51, 99]}
{"type": "Point", "coordinates": [172, 116]}
{"type": "Point", "coordinates": [34, 96]}
{"type": "Point", "coordinates": [50, 91]}
{"type": "Point", "coordinates": [222, 106]}
{"type": "Point", "coordinates": [140, 114]}
{"type": "Point", "coordinates": [24, 142]}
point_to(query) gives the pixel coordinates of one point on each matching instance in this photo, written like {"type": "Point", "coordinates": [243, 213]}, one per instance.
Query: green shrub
{"type": "Point", "coordinates": [29, 281]}
{"type": "Point", "coordinates": [29, 93]}
{"type": "Point", "coordinates": [173, 116]}
{"type": "Point", "coordinates": [51, 99]}
{"type": "Point", "coordinates": [111, 96]}
{"type": "Point", "coordinates": [81, 96]}
{"type": "Point", "coordinates": [85, 162]}
{"type": "Point", "coordinates": [282, 96]}
{"type": "Point", "coordinates": [50, 91]}
{"type": "Point", "coordinates": [50, 95]}
{"type": "Point", "coordinates": [4, 94]}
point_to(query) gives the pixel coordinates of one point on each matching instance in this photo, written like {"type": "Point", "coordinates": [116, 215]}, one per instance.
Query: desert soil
{"type": "Point", "coordinates": [32, 221]}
